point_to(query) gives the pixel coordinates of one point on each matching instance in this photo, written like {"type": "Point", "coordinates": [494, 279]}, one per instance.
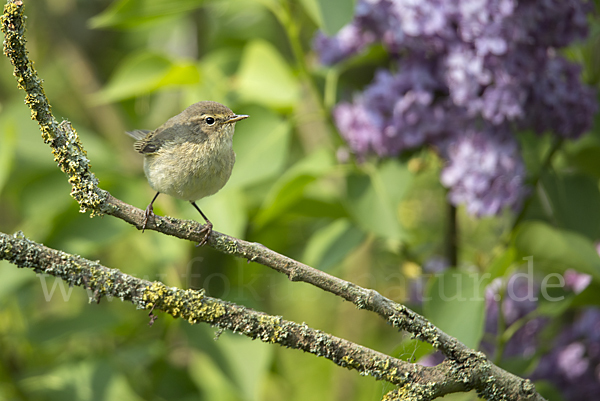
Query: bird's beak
{"type": "Point", "coordinates": [237, 118]}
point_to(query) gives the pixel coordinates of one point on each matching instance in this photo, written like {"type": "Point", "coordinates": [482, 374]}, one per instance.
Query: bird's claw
{"type": "Point", "coordinates": [149, 213]}
{"type": "Point", "coordinates": [207, 230]}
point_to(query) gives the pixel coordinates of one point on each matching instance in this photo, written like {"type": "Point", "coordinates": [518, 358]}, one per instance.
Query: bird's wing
{"type": "Point", "coordinates": [153, 141]}
{"type": "Point", "coordinates": [149, 144]}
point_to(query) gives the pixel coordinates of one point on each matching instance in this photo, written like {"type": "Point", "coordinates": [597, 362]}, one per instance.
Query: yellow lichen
{"type": "Point", "coordinates": [189, 304]}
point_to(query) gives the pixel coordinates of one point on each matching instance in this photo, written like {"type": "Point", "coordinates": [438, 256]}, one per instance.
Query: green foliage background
{"type": "Point", "coordinates": [115, 66]}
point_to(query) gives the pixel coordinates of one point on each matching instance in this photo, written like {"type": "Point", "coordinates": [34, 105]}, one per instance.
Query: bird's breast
{"type": "Point", "coordinates": [191, 171]}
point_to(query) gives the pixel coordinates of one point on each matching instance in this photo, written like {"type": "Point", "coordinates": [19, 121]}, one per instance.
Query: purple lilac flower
{"type": "Point", "coordinates": [349, 41]}
{"type": "Point", "coordinates": [520, 300]}
{"type": "Point", "coordinates": [571, 360]}
{"type": "Point", "coordinates": [485, 171]}
{"type": "Point", "coordinates": [482, 23]}
{"type": "Point", "coordinates": [558, 102]}
{"type": "Point", "coordinates": [463, 75]}
{"type": "Point", "coordinates": [573, 363]}
{"type": "Point", "coordinates": [359, 127]}
{"type": "Point", "coordinates": [378, 17]}
{"type": "Point", "coordinates": [397, 112]}
{"type": "Point", "coordinates": [503, 101]}
{"type": "Point", "coordinates": [566, 17]}
{"type": "Point", "coordinates": [433, 359]}
{"type": "Point", "coordinates": [576, 282]}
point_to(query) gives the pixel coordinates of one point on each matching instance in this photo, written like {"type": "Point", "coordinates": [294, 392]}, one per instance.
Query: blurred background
{"type": "Point", "coordinates": [310, 183]}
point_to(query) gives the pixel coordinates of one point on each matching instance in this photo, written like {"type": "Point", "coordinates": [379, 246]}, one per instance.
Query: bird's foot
{"type": "Point", "coordinates": [149, 213]}
{"type": "Point", "coordinates": [207, 230]}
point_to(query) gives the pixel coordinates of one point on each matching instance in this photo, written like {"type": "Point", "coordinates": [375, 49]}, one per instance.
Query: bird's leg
{"type": "Point", "coordinates": [149, 212]}
{"type": "Point", "coordinates": [207, 229]}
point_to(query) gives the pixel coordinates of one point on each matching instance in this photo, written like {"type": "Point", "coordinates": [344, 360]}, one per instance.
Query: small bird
{"type": "Point", "coordinates": [190, 156]}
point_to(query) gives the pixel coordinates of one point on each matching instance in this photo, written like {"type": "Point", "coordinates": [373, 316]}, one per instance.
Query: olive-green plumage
{"type": "Point", "coordinates": [191, 155]}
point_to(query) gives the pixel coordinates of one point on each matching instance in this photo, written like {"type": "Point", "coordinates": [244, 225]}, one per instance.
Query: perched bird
{"type": "Point", "coordinates": [190, 156]}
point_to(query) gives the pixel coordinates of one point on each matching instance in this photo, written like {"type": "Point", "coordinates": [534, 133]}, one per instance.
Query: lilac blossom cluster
{"type": "Point", "coordinates": [484, 170]}
{"type": "Point", "coordinates": [463, 77]}
{"type": "Point", "coordinates": [571, 363]}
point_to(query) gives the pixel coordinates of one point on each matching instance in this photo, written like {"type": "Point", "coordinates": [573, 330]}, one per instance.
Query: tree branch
{"type": "Point", "coordinates": [469, 367]}
{"type": "Point", "coordinates": [195, 307]}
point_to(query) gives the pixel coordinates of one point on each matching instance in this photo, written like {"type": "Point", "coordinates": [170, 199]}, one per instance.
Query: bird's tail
{"type": "Point", "coordinates": [138, 134]}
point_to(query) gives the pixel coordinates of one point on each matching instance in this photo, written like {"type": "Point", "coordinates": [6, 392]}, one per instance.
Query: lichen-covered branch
{"type": "Point", "coordinates": [471, 367]}
{"type": "Point", "coordinates": [66, 147]}
{"type": "Point", "coordinates": [196, 307]}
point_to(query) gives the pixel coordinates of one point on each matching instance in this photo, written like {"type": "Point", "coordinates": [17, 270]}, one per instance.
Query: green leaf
{"type": "Point", "coordinates": [86, 324]}
{"type": "Point", "coordinates": [335, 14]}
{"type": "Point", "coordinates": [587, 159]}
{"type": "Point", "coordinates": [455, 303]}
{"type": "Point", "coordinates": [313, 10]}
{"type": "Point", "coordinates": [585, 53]}
{"type": "Point", "coordinates": [557, 250]}
{"type": "Point", "coordinates": [12, 279]}
{"type": "Point", "coordinates": [133, 13]}
{"type": "Point", "coordinates": [373, 199]}
{"type": "Point", "coordinates": [249, 362]}
{"type": "Point", "coordinates": [500, 264]}
{"type": "Point", "coordinates": [226, 210]}
{"type": "Point", "coordinates": [548, 391]}
{"type": "Point", "coordinates": [330, 15]}
{"type": "Point", "coordinates": [91, 379]}
{"type": "Point", "coordinates": [217, 68]}
{"type": "Point", "coordinates": [289, 189]}
{"type": "Point", "coordinates": [215, 366]}
{"type": "Point", "coordinates": [40, 217]}
{"type": "Point", "coordinates": [265, 77]}
{"type": "Point", "coordinates": [534, 150]}
{"type": "Point", "coordinates": [8, 146]}
{"type": "Point", "coordinates": [180, 73]}
{"type": "Point", "coordinates": [574, 202]}
{"type": "Point", "coordinates": [288, 192]}
{"type": "Point", "coordinates": [119, 388]}
{"type": "Point", "coordinates": [261, 145]}
{"type": "Point", "coordinates": [318, 208]}
{"type": "Point", "coordinates": [554, 300]}
{"type": "Point", "coordinates": [331, 244]}
{"type": "Point", "coordinates": [171, 381]}
{"type": "Point", "coordinates": [210, 379]}
{"type": "Point", "coordinates": [412, 350]}
{"type": "Point", "coordinates": [143, 73]}
{"type": "Point", "coordinates": [589, 296]}
{"type": "Point", "coordinates": [31, 153]}
{"type": "Point", "coordinates": [519, 365]}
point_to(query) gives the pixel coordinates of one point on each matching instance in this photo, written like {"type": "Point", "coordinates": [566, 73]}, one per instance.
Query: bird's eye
{"type": "Point", "coordinates": [210, 120]}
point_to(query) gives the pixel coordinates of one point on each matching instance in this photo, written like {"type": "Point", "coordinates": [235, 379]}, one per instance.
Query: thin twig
{"type": "Point", "coordinates": [556, 145]}
{"type": "Point", "coordinates": [452, 235]}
